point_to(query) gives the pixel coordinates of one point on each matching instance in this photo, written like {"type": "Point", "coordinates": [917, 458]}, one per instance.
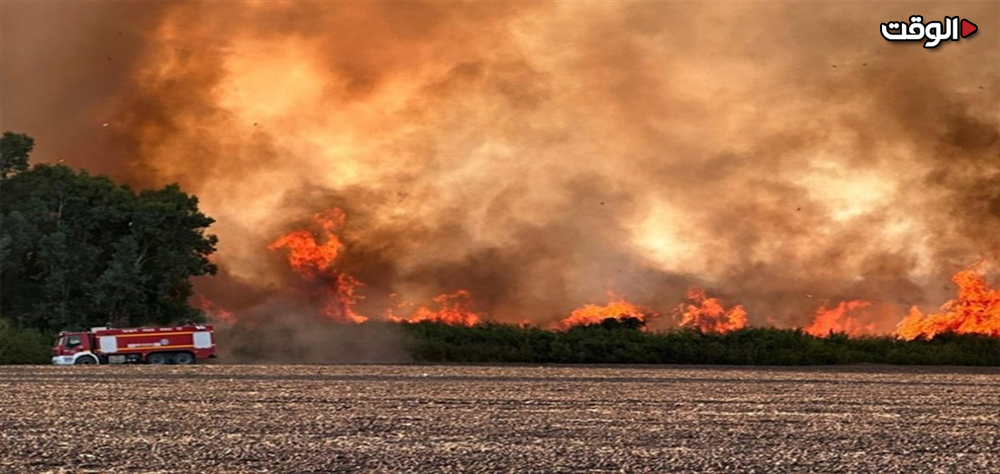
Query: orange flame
{"type": "Point", "coordinates": [708, 314]}
{"type": "Point", "coordinates": [836, 320]}
{"type": "Point", "coordinates": [592, 313]}
{"type": "Point", "coordinates": [213, 311]}
{"type": "Point", "coordinates": [452, 308]}
{"type": "Point", "coordinates": [345, 297]}
{"type": "Point", "coordinates": [305, 255]}
{"type": "Point", "coordinates": [313, 260]}
{"type": "Point", "coordinates": [975, 311]}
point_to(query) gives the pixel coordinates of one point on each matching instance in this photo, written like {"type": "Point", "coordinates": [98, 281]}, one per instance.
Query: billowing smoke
{"type": "Point", "coordinates": [290, 330]}
{"type": "Point", "coordinates": [539, 156]}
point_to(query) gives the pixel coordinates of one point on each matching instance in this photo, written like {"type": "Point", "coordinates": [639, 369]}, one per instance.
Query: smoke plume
{"type": "Point", "coordinates": [782, 156]}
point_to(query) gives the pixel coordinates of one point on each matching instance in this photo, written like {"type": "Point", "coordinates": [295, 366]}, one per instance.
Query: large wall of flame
{"type": "Point", "coordinates": [540, 155]}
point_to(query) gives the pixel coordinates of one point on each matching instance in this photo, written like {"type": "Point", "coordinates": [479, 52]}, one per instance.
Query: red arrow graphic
{"type": "Point", "coordinates": [968, 28]}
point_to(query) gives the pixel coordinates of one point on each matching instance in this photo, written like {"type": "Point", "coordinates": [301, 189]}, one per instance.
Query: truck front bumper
{"type": "Point", "coordinates": [62, 360]}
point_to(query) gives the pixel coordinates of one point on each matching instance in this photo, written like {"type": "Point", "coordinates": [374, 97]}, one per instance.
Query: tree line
{"type": "Point", "coordinates": [78, 250]}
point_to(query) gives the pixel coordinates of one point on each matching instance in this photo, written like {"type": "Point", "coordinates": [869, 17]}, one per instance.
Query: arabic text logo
{"type": "Point", "coordinates": [932, 33]}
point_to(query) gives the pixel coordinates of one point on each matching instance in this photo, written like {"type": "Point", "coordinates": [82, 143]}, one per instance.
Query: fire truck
{"type": "Point", "coordinates": [185, 344]}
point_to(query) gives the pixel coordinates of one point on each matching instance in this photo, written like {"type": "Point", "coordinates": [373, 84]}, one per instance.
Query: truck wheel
{"type": "Point", "coordinates": [183, 358]}
{"type": "Point", "coordinates": [85, 360]}
{"type": "Point", "coordinates": [158, 358]}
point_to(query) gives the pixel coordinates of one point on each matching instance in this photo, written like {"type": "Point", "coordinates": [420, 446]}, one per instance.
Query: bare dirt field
{"type": "Point", "coordinates": [217, 418]}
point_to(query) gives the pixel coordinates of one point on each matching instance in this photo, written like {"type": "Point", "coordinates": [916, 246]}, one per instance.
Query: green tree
{"type": "Point", "coordinates": [14, 153]}
{"type": "Point", "coordinates": [79, 250]}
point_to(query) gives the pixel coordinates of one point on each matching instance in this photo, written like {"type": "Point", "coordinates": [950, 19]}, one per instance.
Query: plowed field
{"type": "Point", "coordinates": [217, 418]}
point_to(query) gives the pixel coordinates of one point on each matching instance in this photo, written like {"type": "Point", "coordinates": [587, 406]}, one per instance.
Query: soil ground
{"type": "Point", "coordinates": [372, 418]}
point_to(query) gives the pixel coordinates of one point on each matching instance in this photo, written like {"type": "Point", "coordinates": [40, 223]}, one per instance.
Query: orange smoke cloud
{"type": "Point", "coordinates": [536, 154]}
{"type": "Point", "coordinates": [975, 311]}
{"type": "Point", "coordinates": [592, 314]}
{"type": "Point", "coordinates": [709, 315]}
{"type": "Point", "coordinates": [837, 321]}
{"type": "Point", "coordinates": [212, 310]}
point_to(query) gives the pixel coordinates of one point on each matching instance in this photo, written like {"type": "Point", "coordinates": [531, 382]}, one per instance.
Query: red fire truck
{"type": "Point", "coordinates": [168, 345]}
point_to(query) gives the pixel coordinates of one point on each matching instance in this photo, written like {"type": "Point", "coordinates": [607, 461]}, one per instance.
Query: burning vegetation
{"type": "Point", "coordinates": [313, 253]}
{"type": "Point", "coordinates": [837, 320]}
{"type": "Point", "coordinates": [976, 310]}
{"type": "Point", "coordinates": [452, 308]}
{"type": "Point", "coordinates": [708, 315]}
{"type": "Point", "coordinates": [617, 309]}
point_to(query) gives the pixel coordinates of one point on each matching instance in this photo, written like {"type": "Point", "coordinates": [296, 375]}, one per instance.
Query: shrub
{"type": "Point", "coordinates": [617, 342]}
{"type": "Point", "coordinates": [23, 346]}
